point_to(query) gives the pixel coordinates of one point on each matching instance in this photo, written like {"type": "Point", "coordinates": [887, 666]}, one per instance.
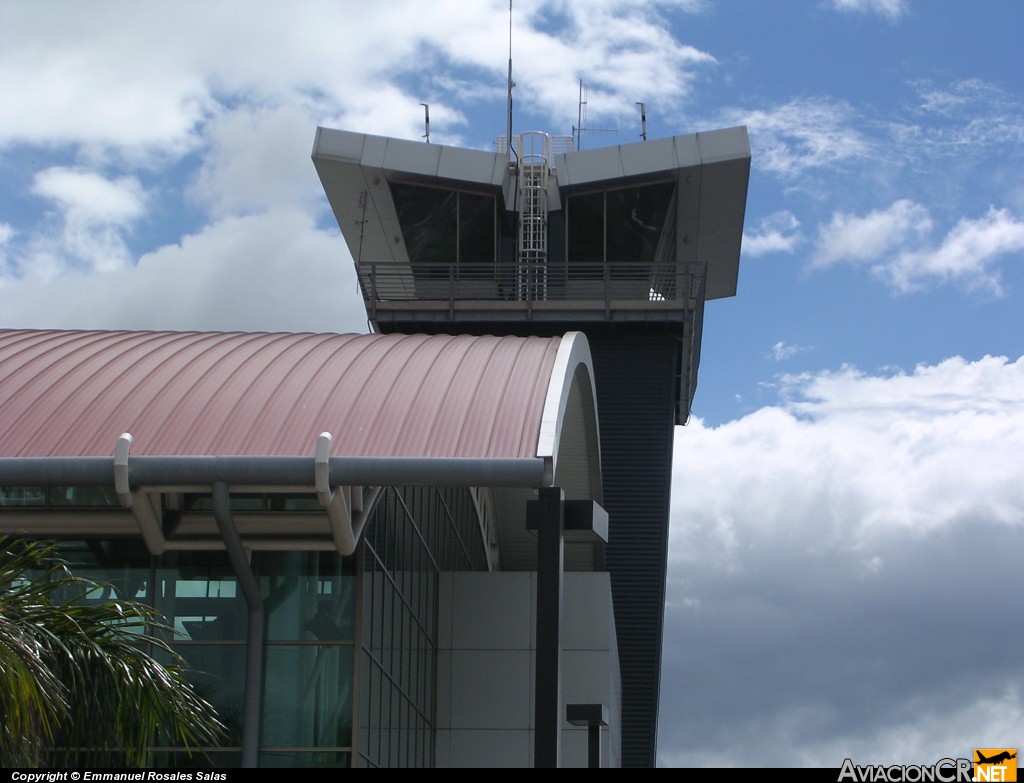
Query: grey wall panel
{"type": "Point", "coordinates": [658, 155]}
{"type": "Point", "coordinates": [413, 157]}
{"type": "Point", "coordinates": [473, 166]}
{"type": "Point", "coordinates": [343, 145]}
{"type": "Point", "coordinates": [485, 681]}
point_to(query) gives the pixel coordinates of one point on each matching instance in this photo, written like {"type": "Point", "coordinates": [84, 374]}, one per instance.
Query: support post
{"type": "Point", "coordinates": [254, 636]}
{"type": "Point", "coordinates": [547, 721]}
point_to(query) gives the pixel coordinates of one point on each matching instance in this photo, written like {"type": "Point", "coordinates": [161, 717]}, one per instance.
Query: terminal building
{"type": "Point", "coordinates": [440, 544]}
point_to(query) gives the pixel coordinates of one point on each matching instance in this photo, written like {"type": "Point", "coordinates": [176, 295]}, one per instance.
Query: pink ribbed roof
{"type": "Point", "coordinates": [72, 393]}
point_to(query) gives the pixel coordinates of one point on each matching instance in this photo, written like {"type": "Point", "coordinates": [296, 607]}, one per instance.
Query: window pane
{"type": "Point", "coordinates": [198, 594]}
{"type": "Point", "coordinates": [83, 496]}
{"type": "Point", "coordinates": [307, 696]}
{"type": "Point", "coordinates": [636, 219]}
{"type": "Point", "coordinates": [238, 501]}
{"type": "Point", "coordinates": [429, 226]}
{"type": "Point", "coordinates": [476, 236]}
{"type": "Point", "coordinates": [586, 236]}
{"type": "Point", "coordinates": [324, 759]}
{"type": "Point", "coordinates": [22, 496]}
{"type": "Point", "coordinates": [308, 595]}
{"type": "Point", "coordinates": [217, 672]}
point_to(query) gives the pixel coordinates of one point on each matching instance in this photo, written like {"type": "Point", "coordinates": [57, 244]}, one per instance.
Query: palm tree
{"type": "Point", "coordinates": [79, 684]}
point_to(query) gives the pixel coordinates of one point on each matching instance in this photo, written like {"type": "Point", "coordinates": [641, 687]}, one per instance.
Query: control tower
{"type": "Point", "coordinates": [624, 243]}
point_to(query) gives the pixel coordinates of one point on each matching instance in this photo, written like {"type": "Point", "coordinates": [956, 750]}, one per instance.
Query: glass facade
{"type": "Point", "coordinates": [623, 235]}
{"type": "Point", "coordinates": [330, 624]}
{"type": "Point", "coordinates": [621, 226]}
{"type": "Point", "coordinates": [58, 497]}
{"type": "Point", "coordinates": [448, 228]}
{"type": "Point", "coordinates": [416, 533]}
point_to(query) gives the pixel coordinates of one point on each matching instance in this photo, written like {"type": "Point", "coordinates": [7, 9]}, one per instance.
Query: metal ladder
{"type": "Point", "coordinates": [532, 248]}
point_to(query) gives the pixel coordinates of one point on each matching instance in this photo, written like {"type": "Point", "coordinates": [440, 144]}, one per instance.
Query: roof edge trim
{"type": "Point", "coordinates": [573, 351]}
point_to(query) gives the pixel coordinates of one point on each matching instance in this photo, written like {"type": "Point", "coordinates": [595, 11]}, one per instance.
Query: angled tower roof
{"type": "Point", "coordinates": [712, 168]}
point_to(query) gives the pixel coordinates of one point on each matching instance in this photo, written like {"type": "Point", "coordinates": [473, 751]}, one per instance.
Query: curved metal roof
{"type": "Point", "coordinates": [72, 393]}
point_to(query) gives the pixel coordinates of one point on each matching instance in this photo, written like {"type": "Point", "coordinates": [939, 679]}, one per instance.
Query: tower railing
{"type": "Point", "coordinates": [589, 285]}
{"type": "Point", "coordinates": [557, 145]}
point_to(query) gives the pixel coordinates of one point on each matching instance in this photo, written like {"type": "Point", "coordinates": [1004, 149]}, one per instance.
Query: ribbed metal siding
{"type": "Point", "coordinates": [636, 399]}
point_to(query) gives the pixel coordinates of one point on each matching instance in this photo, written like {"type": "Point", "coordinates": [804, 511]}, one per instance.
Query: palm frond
{"type": "Point", "coordinates": [79, 683]}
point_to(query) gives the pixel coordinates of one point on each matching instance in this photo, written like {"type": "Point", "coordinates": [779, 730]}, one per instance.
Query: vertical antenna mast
{"type": "Point", "coordinates": [581, 120]}
{"type": "Point", "coordinates": [643, 120]}
{"type": "Point", "coordinates": [511, 83]}
{"type": "Point", "coordinates": [426, 121]}
{"type": "Point", "coordinates": [579, 117]}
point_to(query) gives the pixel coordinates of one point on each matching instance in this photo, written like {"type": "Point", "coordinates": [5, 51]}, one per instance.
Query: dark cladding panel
{"type": "Point", "coordinates": [636, 389]}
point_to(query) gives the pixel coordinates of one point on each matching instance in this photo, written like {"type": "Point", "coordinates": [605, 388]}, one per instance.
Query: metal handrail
{"type": "Point", "coordinates": [391, 281]}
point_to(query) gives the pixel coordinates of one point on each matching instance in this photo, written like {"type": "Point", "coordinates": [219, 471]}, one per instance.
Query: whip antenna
{"type": "Point", "coordinates": [511, 83]}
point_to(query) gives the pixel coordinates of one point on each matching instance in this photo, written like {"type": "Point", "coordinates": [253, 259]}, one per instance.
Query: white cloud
{"type": "Point", "coordinates": [66, 81]}
{"type": "Point", "coordinates": [893, 9]}
{"type": "Point", "coordinates": [6, 233]}
{"type": "Point", "coordinates": [256, 159]}
{"type": "Point", "coordinates": [894, 243]}
{"type": "Point", "coordinates": [244, 92]}
{"type": "Point", "coordinates": [832, 565]}
{"type": "Point", "coordinates": [782, 351]}
{"type": "Point", "coordinates": [615, 47]}
{"type": "Point", "coordinates": [990, 385]}
{"type": "Point", "coordinates": [967, 254]}
{"type": "Point", "coordinates": [86, 229]}
{"type": "Point", "coordinates": [91, 197]}
{"type": "Point", "coordinates": [65, 67]}
{"type": "Point", "coordinates": [274, 272]}
{"type": "Point", "coordinates": [805, 133]}
{"type": "Point", "coordinates": [856, 239]}
{"type": "Point", "coordinates": [961, 121]}
{"type": "Point", "coordinates": [950, 101]}
{"type": "Point", "coordinates": [951, 139]}
{"type": "Point", "coordinates": [777, 233]}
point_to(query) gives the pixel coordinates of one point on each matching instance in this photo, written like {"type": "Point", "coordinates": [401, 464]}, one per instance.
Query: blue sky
{"type": "Point", "coordinates": [848, 511]}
